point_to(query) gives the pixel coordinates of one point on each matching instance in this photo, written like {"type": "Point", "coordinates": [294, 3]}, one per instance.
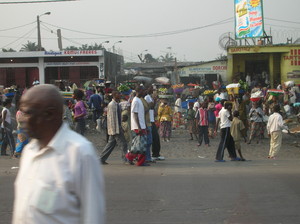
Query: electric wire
{"type": "Point", "coordinates": [147, 35]}
{"type": "Point", "coordinates": [16, 27]}
{"type": "Point", "coordinates": [28, 33]}
{"type": "Point", "coordinates": [30, 2]}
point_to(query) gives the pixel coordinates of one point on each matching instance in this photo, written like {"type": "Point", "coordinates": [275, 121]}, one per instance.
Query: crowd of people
{"type": "Point", "coordinates": [138, 121]}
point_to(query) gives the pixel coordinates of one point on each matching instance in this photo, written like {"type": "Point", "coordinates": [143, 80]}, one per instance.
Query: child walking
{"type": "Point", "coordinates": [192, 127]}
{"type": "Point", "coordinates": [236, 131]}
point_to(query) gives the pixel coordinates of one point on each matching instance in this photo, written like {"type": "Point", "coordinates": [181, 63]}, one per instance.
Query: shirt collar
{"type": "Point", "coordinates": [56, 142]}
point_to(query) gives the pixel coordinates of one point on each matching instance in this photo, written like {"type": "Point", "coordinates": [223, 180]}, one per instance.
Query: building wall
{"type": "Point", "coordinates": [215, 67]}
{"type": "Point", "coordinates": [284, 61]}
{"type": "Point", "coordinates": [290, 65]}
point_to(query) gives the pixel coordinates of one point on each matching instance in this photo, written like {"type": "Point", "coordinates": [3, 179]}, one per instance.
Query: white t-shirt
{"type": "Point", "coordinates": [178, 107]}
{"type": "Point", "coordinates": [224, 118]}
{"type": "Point", "coordinates": [149, 99]}
{"type": "Point", "coordinates": [8, 116]}
{"type": "Point", "coordinates": [137, 107]}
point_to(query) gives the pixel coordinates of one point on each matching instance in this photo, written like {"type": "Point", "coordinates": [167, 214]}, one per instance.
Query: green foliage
{"type": "Point", "coordinates": [167, 58]}
{"type": "Point", "coordinates": [29, 46]}
{"type": "Point", "coordinates": [123, 88]}
{"type": "Point", "coordinates": [8, 50]}
{"type": "Point", "coordinates": [148, 58]}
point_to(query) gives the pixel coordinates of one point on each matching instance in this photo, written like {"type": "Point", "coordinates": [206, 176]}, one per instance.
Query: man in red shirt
{"type": "Point", "coordinates": [202, 122]}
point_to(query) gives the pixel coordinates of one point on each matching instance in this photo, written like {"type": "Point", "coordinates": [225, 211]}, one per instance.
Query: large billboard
{"type": "Point", "coordinates": [249, 21]}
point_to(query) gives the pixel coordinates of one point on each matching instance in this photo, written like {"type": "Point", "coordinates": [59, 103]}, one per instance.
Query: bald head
{"type": "Point", "coordinates": [44, 96]}
{"type": "Point", "coordinates": [42, 106]}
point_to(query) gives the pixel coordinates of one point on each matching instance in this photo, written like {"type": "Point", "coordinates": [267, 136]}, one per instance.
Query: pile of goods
{"type": "Point", "coordinates": [233, 89]}
{"type": "Point", "coordinates": [243, 86]}
{"type": "Point", "coordinates": [178, 88]}
{"type": "Point", "coordinates": [163, 93]}
{"type": "Point", "coordinates": [209, 92]}
{"type": "Point", "coordinates": [275, 92]}
{"type": "Point", "coordinates": [256, 96]}
{"type": "Point", "coordinates": [124, 89]}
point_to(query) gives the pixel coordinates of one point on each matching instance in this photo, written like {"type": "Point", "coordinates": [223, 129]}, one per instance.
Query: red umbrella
{"type": "Point", "coordinates": [192, 84]}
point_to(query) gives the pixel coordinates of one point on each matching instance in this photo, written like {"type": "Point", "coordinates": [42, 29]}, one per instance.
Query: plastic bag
{"type": "Point", "coordinates": [138, 144]}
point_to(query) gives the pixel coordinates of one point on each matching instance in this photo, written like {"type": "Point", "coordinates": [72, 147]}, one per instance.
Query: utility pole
{"type": "Point", "coordinates": [39, 33]}
{"type": "Point", "coordinates": [39, 48]}
{"type": "Point", "coordinates": [176, 72]}
{"type": "Point", "coordinates": [59, 39]}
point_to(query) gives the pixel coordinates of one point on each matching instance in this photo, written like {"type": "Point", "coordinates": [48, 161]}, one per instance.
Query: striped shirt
{"type": "Point", "coordinates": [202, 116]}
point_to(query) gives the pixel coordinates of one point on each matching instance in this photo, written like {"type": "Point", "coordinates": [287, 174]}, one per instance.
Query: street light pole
{"type": "Point", "coordinates": [113, 47]}
{"type": "Point", "coordinates": [104, 42]}
{"type": "Point", "coordinates": [39, 30]}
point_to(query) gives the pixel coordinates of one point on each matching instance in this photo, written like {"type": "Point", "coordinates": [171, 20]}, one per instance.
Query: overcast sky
{"type": "Point", "coordinates": [140, 17]}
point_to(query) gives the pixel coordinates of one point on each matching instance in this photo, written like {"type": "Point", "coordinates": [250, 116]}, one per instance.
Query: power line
{"type": "Point", "coordinates": [147, 35]}
{"type": "Point", "coordinates": [17, 27]}
{"type": "Point", "coordinates": [284, 21]}
{"type": "Point", "coordinates": [40, 1]}
{"type": "Point", "coordinates": [28, 33]}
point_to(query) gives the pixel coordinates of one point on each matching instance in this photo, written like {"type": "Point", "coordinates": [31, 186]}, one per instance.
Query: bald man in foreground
{"type": "Point", "coordinates": [60, 179]}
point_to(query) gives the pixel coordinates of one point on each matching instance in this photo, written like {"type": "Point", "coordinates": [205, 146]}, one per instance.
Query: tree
{"type": "Point", "coordinates": [71, 48]}
{"type": "Point", "coordinates": [95, 46]}
{"type": "Point", "coordinates": [148, 58]}
{"type": "Point", "coordinates": [221, 57]}
{"type": "Point", "coordinates": [30, 46]}
{"type": "Point", "coordinates": [91, 47]}
{"type": "Point", "coordinates": [8, 50]}
{"type": "Point", "coordinates": [167, 58]}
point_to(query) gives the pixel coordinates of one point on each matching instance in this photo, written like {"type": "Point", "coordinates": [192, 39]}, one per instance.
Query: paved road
{"type": "Point", "coordinates": [194, 191]}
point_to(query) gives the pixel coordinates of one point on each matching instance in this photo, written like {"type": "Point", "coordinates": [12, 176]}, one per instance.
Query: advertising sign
{"type": "Point", "coordinates": [249, 21]}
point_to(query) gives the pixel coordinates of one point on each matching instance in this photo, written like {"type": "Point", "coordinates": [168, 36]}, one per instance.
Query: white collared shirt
{"type": "Point", "coordinates": [61, 183]}
{"type": "Point", "coordinates": [275, 123]}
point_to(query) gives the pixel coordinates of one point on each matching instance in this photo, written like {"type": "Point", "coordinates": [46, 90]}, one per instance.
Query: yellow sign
{"type": "Point", "coordinates": [254, 3]}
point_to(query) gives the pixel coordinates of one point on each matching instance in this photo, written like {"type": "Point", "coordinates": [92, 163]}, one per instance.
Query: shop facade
{"type": "Point", "coordinates": [265, 65]}
{"type": "Point", "coordinates": [74, 66]}
{"type": "Point", "coordinates": [207, 71]}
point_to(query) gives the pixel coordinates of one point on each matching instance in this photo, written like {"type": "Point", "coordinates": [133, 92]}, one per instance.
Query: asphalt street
{"type": "Point", "coordinates": [192, 191]}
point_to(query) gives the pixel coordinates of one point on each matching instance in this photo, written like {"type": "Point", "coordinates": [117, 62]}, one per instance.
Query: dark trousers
{"type": "Point", "coordinates": [96, 114]}
{"type": "Point", "coordinates": [203, 133]}
{"type": "Point", "coordinates": [111, 144]}
{"type": "Point", "coordinates": [155, 141]}
{"type": "Point", "coordinates": [226, 142]}
{"type": "Point", "coordinates": [8, 139]}
{"type": "Point", "coordinates": [80, 126]}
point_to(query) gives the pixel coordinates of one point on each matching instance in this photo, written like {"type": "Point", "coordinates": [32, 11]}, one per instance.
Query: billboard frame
{"type": "Point", "coordinates": [235, 23]}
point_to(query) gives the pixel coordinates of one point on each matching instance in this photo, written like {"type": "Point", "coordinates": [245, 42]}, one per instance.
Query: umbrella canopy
{"type": "Point", "coordinates": [89, 83]}
{"type": "Point", "coordinates": [140, 78]}
{"type": "Point", "coordinates": [163, 80]}
{"type": "Point", "coordinates": [192, 84]}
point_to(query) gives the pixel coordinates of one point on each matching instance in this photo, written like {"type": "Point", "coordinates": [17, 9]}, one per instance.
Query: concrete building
{"type": "Point", "coordinates": [76, 66]}
{"type": "Point", "coordinates": [277, 63]}
{"type": "Point", "coordinates": [207, 71]}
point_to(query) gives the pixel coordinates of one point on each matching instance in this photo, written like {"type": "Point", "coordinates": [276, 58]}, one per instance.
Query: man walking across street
{"type": "Point", "coordinates": [275, 126]}
{"type": "Point", "coordinates": [226, 138]}
{"type": "Point", "coordinates": [114, 129]}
